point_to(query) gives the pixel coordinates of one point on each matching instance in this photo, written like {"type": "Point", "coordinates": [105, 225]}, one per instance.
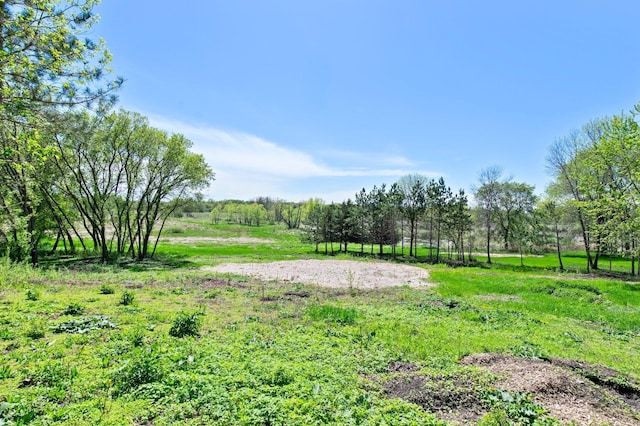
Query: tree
{"type": "Point", "coordinates": [45, 64]}
{"type": "Point", "coordinates": [120, 172]}
{"type": "Point", "coordinates": [413, 206]}
{"type": "Point", "coordinates": [486, 196]}
{"type": "Point", "coordinates": [514, 210]}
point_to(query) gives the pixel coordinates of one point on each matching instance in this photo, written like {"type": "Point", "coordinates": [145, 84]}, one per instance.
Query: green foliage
{"type": "Point", "coordinates": [346, 316]}
{"type": "Point", "coordinates": [518, 407]}
{"type": "Point", "coordinates": [36, 329]}
{"type": "Point", "coordinates": [83, 325]}
{"type": "Point", "coordinates": [51, 374]}
{"type": "Point", "coordinates": [127, 297]}
{"type": "Point", "coordinates": [143, 368]}
{"type": "Point", "coordinates": [186, 324]}
{"type": "Point", "coordinates": [107, 289]}
{"type": "Point", "coordinates": [73, 309]}
{"type": "Point", "coordinates": [32, 294]}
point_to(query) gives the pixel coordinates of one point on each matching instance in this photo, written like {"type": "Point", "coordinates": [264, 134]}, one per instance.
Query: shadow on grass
{"type": "Point", "coordinates": [86, 263]}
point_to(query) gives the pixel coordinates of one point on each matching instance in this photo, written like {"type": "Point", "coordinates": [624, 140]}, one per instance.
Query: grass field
{"type": "Point", "coordinates": [164, 342]}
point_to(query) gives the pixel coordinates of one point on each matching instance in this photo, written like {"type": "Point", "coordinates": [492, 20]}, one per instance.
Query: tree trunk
{"type": "Point", "coordinates": [558, 248]}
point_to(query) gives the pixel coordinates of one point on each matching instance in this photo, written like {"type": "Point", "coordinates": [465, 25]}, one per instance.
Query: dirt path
{"type": "Point", "coordinates": [332, 273]}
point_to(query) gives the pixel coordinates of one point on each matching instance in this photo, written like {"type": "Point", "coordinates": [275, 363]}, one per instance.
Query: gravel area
{"type": "Point", "coordinates": [332, 273]}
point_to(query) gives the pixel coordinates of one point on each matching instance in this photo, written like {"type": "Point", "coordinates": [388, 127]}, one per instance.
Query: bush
{"type": "Point", "coordinates": [32, 294]}
{"type": "Point", "coordinates": [73, 309]}
{"type": "Point", "coordinates": [107, 289]}
{"type": "Point", "coordinates": [127, 298]}
{"type": "Point", "coordinates": [186, 324]}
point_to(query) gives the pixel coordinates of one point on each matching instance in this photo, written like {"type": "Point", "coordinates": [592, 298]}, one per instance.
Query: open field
{"type": "Point", "coordinates": [173, 341]}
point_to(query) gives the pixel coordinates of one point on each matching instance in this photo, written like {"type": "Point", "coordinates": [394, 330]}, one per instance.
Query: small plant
{"type": "Point", "coordinates": [83, 325]}
{"type": "Point", "coordinates": [186, 324]}
{"type": "Point", "coordinates": [32, 294]}
{"type": "Point", "coordinates": [142, 369]}
{"type": "Point", "coordinates": [136, 337]}
{"type": "Point", "coordinates": [36, 330]}
{"type": "Point", "coordinates": [127, 297]}
{"type": "Point", "coordinates": [6, 372]}
{"type": "Point", "coordinates": [73, 309]}
{"type": "Point", "coordinates": [6, 334]}
{"type": "Point", "coordinates": [107, 289]}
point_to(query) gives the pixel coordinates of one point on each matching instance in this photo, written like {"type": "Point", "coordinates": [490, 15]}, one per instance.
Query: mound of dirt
{"type": "Point", "coordinates": [332, 273]}
{"type": "Point", "coordinates": [570, 391]}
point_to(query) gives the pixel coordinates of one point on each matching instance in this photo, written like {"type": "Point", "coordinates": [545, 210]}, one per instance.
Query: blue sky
{"type": "Point", "coordinates": [299, 99]}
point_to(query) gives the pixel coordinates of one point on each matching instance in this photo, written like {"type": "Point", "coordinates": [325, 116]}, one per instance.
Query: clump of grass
{"type": "Point", "coordinates": [186, 324]}
{"type": "Point", "coordinates": [332, 313]}
{"type": "Point", "coordinates": [36, 330]}
{"type": "Point", "coordinates": [127, 297]}
{"type": "Point", "coordinates": [107, 289]}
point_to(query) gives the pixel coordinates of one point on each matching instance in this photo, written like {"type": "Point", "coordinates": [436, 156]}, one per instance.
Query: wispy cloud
{"type": "Point", "coordinates": [247, 165]}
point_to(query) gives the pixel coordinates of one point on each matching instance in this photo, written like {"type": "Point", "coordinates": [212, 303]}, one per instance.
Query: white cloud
{"type": "Point", "coordinates": [247, 166]}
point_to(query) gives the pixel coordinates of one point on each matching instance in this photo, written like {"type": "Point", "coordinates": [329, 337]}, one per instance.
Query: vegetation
{"type": "Point", "coordinates": [285, 353]}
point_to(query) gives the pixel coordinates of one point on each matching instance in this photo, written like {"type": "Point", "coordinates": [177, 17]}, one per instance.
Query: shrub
{"type": "Point", "coordinates": [107, 289]}
{"type": "Point", "coordinates": [186, 324]}
{"type": "Point", "coordinates": [32, 294]}
{"type": "Point", "coordinates": [73, 309]}
{"type": "Point", "coordinates": [127, 298]}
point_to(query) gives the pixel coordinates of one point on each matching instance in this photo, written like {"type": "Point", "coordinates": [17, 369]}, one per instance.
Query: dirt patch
{"type": "Point", "coordinates": [451, 399]}
{"type": "Point", "coordinates": [560, 387]}
{"type": "Point", "coordinates": [571, 391]}
{"type": "Point", "coordinates": [332, 273]}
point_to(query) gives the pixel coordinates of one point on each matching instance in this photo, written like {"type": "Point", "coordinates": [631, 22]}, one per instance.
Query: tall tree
{"type": "Point", "coordinates": [487, 195]}
{"type": "Point", "coordinates": [46, 63]}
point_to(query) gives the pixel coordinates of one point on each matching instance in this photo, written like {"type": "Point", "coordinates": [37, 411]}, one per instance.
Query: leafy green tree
{"type": "Point", "coordinates": [46, 63]}
{"type": "Point", "coordinates": [487, 195]}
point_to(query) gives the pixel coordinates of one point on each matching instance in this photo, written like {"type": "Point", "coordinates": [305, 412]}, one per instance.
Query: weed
{"type": "Point", "coordinates": [83, 325]}
{"type": "Point", "coordinates": [32, 294]}
{"type": "Point", "coordinates": [6, 334]}
{"type": "Point", "coordinates": [36, 330]}
{"type": "Point", "coordinates": [107, 289]}
{"type": "Point", "coordinates": [518, 407]}
{"type": "Point", "coordinates": [127, 297]}
{"type": "Point", "coordinates": [332, 313]}
{"type": "Point", "coordinates": [6, 372]}
{"type": "Point", "coordinates": [51, 374]}
{"type": "Point", "coordinates": [143, 368]}
{"type": "Point", "coordinates": [186, 324]}
{"type": "Point", "coordinates": [73, 309]}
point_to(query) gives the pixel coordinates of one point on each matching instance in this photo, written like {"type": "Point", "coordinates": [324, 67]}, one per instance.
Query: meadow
{"type": "Point", "coordinates": [167, 342]}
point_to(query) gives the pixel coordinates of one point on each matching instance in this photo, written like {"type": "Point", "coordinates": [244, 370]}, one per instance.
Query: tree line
{"type": "Point", "coordinates": [69, 164]}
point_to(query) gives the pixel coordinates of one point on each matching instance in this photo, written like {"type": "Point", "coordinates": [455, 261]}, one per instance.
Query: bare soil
{"type": "Point", "coordinates": [332, 273]}
{"type": "Point", "coordinates": [570, 391]}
